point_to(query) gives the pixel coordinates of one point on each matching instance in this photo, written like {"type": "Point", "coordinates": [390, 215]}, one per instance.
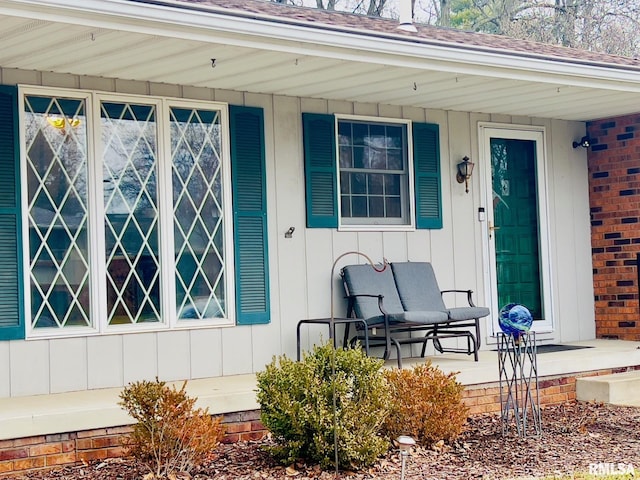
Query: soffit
{"type": "Point", "coordinates": [162, 49]}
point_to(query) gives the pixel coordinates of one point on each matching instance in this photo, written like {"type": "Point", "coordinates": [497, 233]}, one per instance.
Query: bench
{"type": "Point", "coordinates": [405, 299]}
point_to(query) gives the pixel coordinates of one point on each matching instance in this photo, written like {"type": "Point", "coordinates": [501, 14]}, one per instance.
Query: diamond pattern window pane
{"type": "Point", "coordinates": [198, 213]}
{"type": "Point", "coordinates": [130, 164]}
{"type": "Point", "coordinates": [56, 151]}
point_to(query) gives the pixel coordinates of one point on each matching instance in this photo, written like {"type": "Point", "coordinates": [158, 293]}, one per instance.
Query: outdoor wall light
{"type": "Point", "coordinates": [465, 169]}
{"type": "Point", "coordinates": [584, 142]}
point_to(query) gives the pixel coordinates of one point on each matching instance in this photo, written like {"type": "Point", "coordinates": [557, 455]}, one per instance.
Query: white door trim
{"type": "Point", "coordinates": [486, 131]}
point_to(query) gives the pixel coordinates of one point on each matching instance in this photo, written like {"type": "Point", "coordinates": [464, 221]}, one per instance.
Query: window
{"type": "Point", "coordinates": [127, 213]}
{"type": "Point", "coordinates": [374, 175]}
{"type": "Point", "coordinates": [368, 173]}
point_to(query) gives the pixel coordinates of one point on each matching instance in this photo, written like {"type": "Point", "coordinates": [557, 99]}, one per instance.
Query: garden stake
{"type": "Point", "coordinates": [332, 327]}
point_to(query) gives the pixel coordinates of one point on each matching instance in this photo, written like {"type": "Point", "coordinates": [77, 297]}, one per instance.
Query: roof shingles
{"type": "Point", "coordinates": [376, 26]}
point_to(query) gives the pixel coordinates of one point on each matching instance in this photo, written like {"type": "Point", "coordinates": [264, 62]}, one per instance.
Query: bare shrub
{"type": "Point", "coordinates": [427, 404]}
{"type": "Point", "coordinates": [170, 435]}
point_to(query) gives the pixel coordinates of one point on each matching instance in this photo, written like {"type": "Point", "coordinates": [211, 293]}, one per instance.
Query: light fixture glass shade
{"type": "Point", "coordinates": [405, 443]}
{"type": "Point", "coordinates": [465, 169]}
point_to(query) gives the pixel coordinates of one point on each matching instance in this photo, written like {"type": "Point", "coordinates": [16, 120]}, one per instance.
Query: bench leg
{"type": "Point", "coordinates": [399, 352]}
{"type": "Point", "coordinates": [478, 338]}
{"type": "Point", "coordinates": [345, 338]}
{"type": "Point", "coordinates": [298, 339]}
{"type": "Point", "coordinates": [433, 335]}
{"type": "Point", "coordinates": [472, 341]}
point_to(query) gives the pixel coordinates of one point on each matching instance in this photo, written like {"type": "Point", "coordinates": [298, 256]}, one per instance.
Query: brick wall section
{"type": "Point", "coordinates": [614, 199]}
{"type": "Point", "coordinates": [552, 390]}
{"type": "Point", "coordinates": [47, 451]}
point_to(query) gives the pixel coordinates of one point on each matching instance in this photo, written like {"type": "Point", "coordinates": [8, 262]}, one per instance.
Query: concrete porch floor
{"type": "Point", "coordinates": [95, 409]}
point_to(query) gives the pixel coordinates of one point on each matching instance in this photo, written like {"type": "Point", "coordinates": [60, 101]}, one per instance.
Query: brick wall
{"type": "Point", "coordinates": [614, 198]}
{"type": "Point", "coordinates": [47, 451]}
{"type": "Point", "coordinates": [552, 390]}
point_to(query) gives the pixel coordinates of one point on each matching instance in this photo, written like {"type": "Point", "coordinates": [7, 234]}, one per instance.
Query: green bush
{"type": "Point", "coordinates": [170, 436]}
{"type": "Point", "coordinates": [426, 404]}
{"type": "Point", "coordinates": [296, 399]}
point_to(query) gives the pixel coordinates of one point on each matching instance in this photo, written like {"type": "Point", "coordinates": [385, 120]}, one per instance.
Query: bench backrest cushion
{"type": "Point", "coordinates": [417, 286]}
{"type": "Point", "coordinates": [363, 279]}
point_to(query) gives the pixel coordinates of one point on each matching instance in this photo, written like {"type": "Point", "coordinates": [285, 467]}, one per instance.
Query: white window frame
{"type": "Point", "coordinates": [97, 263]}
{"type": "Point", "coordinates": [410, 203]}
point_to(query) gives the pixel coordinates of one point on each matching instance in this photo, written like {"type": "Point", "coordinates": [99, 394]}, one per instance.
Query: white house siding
{"type": "Point", "coordinates": [300, 266]}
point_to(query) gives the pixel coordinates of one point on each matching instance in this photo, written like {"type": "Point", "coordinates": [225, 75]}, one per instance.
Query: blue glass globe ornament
{"type": "Point", "coordinates": [515, 319]}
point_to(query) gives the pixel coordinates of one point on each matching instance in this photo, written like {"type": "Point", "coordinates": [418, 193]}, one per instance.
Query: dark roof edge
{"type": "Point", "coordinates": [208, 8]}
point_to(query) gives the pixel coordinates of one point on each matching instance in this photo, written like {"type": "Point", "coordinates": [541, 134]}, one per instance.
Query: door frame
{"type": "Point", "coordinates": [486, 131]}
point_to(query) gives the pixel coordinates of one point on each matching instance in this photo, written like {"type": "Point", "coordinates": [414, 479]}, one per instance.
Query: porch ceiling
{"type": "Point", "coordinates": [156, 46]}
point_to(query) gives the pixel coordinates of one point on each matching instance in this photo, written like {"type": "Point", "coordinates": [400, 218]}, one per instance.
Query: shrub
{"type": "Point", "coordinates": [170, 435]}
{"type": "Point", "coordinates": [297, 407]}
{"type": "Point", "coordinates": [426, 404]}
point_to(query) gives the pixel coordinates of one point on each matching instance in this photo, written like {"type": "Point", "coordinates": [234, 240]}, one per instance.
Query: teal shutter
{"type": "Point", "coordinates": [320, 170]}
{"type": "Point", "coordinates": [426, 164]}
{"type": "Point", "coordinates": [248, 178]}
{"type": "Point", "coordinates": [11, 305]}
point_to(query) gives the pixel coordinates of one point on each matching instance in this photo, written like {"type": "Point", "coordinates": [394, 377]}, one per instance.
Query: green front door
{"type": "Point", "coordinates": [516, 223]}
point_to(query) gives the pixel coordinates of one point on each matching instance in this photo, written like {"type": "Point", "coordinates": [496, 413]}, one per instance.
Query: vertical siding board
{"type": "Point", "coordinates": [5, 373]}
{"type": "Point", "coordinates": [442, 255]}
{"type": "Point", "coordinates": [465, 258]}
{"type": "Point", "coordinates": [174, 355]}
{"type": "Point", "coordinates": [462, 206]}
{"type": "Point", "coordinates": [29, 367]}
{"type": "Point", "coordinates": [318, 267]}
{"type": "Point", "coordinates": [288, 165]}
{"type": "Point", "coordinates": [371, 244]}
{"type": "Point", "coordinates": [569, 212]}
{"type": "Point", "coordinates": [205, 351]}
{"type": "Point", "coordinates": [395, 246]}
{"type": "Point", "coordinates": [68, 364]}
{"type": "Point", "coordinates": [105, 361]}
{"type": "Point", "coordinates": [481, 228]}
{"type": "Point", "coordinates": [140, 354]}
{"type": "Point", "coordinates": [237, 351]}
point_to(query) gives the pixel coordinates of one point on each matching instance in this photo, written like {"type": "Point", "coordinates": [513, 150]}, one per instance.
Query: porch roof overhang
{"type": "Point", "coordinates": [175, 42]}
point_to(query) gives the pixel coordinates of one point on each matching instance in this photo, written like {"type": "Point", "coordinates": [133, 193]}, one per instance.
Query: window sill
{"type": "Point", "coordinates": [122, 330]}
{"type": "Point", "coordinates": [376, 228]}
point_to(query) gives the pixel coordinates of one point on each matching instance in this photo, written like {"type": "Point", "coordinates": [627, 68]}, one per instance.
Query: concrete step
{"type": "Point", "coordinates": [618, 388]}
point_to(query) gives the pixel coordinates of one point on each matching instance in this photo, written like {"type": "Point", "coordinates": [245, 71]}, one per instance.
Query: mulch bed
{"type": "Point", "coordinates": [575, 435]}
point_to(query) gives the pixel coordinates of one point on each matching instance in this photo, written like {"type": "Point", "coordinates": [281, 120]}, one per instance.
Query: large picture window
{"type": "Point", "coordinates": [128, 212]}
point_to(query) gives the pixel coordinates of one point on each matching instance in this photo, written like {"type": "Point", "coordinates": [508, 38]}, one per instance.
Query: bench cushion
{"type": "Point", "coordinates": [363, 279]}
{"type": "Point", "coordinates": [417, 286]}
{"type": "Point", "coordinates": [425, 317]}
{"type": "Point", "coordinates": [467, 313]}
{"type": "Point", "coordinates": [419, 290]}
{"type": "Point", "coordinates": [410, 319]}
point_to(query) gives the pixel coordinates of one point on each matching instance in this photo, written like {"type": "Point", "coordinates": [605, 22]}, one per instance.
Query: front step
{"type": "Point", "coordinates": [618, 388]}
